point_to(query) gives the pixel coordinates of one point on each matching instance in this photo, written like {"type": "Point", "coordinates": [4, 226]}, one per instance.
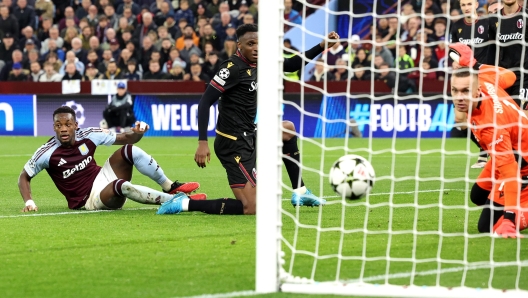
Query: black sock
{"type": "Point", "coordinates": [290, 149]}
{"type": "Point", "coordinates": [218, 206]}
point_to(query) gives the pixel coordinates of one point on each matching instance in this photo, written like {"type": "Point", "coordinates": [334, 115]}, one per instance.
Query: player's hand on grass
{"type": "Point", "coordinates": [202, 154]}
{"type": "Point", "coordinates": [332, 39]}
{"type": "Point", "coordinates": [140, 127]}
{"type": "Point", "coordinates": [462, 54]}
{"type": "Point", "coordinates": [30, 206]}
{"type": "Point", "coordinates": [507, 230]}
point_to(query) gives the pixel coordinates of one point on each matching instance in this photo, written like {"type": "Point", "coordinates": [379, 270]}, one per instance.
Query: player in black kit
{"type": "Point", "coordinates": [472, 30]}
{"type": "Point", "coordinates": [508, 29]}
{"type": "Point", "coordinates": [235, 85]}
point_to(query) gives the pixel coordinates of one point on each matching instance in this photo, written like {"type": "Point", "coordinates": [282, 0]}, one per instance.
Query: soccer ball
{"type": "Point", "coordinates": [79, 111]}
{"type": "Point", "coordinates": [352, 176]}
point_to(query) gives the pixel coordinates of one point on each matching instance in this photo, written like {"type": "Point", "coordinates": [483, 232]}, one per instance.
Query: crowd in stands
{"type": "Point", "coordinates": [50, 41]}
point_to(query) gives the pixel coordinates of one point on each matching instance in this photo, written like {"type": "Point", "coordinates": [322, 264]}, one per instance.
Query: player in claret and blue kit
{"type": "Point", "coordinates": [68, 158]}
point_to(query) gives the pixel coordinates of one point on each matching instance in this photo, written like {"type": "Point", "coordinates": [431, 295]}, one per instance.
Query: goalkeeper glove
{"type": "Point", "coordinates": [462, 54]}
{"type": "Point", "coordinates": [507, 230]}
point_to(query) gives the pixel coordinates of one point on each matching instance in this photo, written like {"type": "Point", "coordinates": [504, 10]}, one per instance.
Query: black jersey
{"type": "Point", "coordinates": [474, 35]}
{"type": "Point", "coordinates": [509, 32]}
{"type": "Point", "coordinates": [237, 80]}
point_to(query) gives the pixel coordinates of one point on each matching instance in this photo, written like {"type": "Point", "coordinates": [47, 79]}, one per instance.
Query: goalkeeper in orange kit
{"type": "Point", "coordinates": [501, 129]}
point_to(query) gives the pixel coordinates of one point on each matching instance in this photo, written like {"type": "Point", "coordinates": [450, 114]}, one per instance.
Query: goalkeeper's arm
{"type": "Point", "coordinates": [296, 62]}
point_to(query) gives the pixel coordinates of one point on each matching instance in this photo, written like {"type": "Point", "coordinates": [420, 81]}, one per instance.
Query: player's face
{"type": "Point", "coordinates": [64, 126]}
{"type": "Point", "coordinates": [492, 9]}
{"type": "Point", "coordinates": [248, 45]}
{"type": "Point", "coordinates": [509, 2]}
{"type": "Point", "coordinates": [465, 92]}
{"type": "Point", "coordinates": [468, 7]}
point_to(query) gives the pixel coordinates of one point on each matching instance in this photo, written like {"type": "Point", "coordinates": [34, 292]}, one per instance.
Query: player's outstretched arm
{"type": "Point", "coordinates": [296, 62]}
{"type": "Point", "coordinates": [209, 97]}
{"type": "Point", "coordinates": [132, 137]}
{"type": "Point", "coordinates": [25, 190]}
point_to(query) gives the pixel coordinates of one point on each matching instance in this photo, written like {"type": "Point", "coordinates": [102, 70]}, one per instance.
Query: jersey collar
{"type": "Point", "coordinates": [474, 22]}
{"type": "Point", "coordinates": [511, 15]}
{"type": "Point", "coordinates": [239, 54]}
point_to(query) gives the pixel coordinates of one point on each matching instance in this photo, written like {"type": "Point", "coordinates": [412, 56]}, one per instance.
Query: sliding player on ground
{"type": "Point", "coordinates": [497, 123]}
{"type": "Point", "coordinates": [236, 86]}
{"type": "Point", "coordinates": [471, 30]}
{"type": "Point", "coordinates": [69, 160]}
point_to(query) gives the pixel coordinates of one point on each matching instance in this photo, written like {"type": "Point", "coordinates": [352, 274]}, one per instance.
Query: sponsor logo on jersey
{"type": "Point", "coordinates": [511, 36]}
{"type": "Point", "coordinates": [493, 94]}
{"type": "Point", "coordinates": [229, 64]}
{"type": "Point", "coordinates": [497, 141]}
{"type": "Point", "coordinates": [224, 73]}
{"type": "Point", "coordinates": [61, 162]}
{"type": "Point", "coordinates": [219, 80]}
{"type": "Point", "coordinates": [254, 86]}
{"type": "Point", "coordinates": [248, 72]}
{"type": "Point", "coordinates": [520, 23]}
{"type": "Point", "coordinates": [84, 149]}
{"type": "Point", "coordinates": [81, 166]}
{"type": "Point", "coordinates": [480, 29]}
{"type": "Point", "coordinates": [470, 41]}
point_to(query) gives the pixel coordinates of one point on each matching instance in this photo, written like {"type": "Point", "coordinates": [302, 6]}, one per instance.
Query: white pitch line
{"type": "Point", "coordinates": [397, 193]}
{"type": "Point", "coordinates": [224, 295]}
{"type": "Point", "coordinates": [68, 213]}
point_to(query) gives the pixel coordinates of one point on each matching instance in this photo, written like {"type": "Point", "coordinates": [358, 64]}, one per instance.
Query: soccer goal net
{"type": "Point", "coordinates": [415, 234]}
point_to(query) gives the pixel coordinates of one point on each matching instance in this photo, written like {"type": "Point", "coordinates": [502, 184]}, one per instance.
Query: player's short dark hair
{"type": "Point", "coordinates": [64, 110]}
{"type": "Point", "coordinates": [243, 29]}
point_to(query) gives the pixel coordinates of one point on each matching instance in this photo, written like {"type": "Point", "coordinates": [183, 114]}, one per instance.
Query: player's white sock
{"type": "Point", "coordinates": [300, 191]}
{"type": "Point", "coordinates": [146, 165]}
{"type": "Point", "coordinates": [142, 194]}
{"type": "Point", "coordinates": [166, 186]}
{"type": "Point", "coordinates": [185, 204]}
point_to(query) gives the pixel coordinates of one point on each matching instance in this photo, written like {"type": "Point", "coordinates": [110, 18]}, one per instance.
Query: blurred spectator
{"type": "Point", "coordinates": [82, 11]}
{"type": "Point", "coordinates": [193, 58]}
{"type": "Point", "coordinates": [174, 55]}
{"type": "Point", "coordinates": [50, 74]}
{"type": "Point", "coordinates": [208, 49]}
{"type": "Point", "coordinates": [210, 36]}
{"type": "Point", "coordinates": [43, 31]}
{"type": "Point", "coordinates": [185, 12]}
{"type": "Point", "coordinates": [130, 17]}
{"type": "Point", "coordinates": [291, 15]}
{"type": "Point", "coordinates": [253, 9]}
{"type": "Point", "coordinates": [16, 57]}
{"type": "Point", "coordinates": [361, 73]}
{"type": "Point", "coordinates": [163, 34]}
{"type": "Point", "coordinates": [407, 13]}
{"type": "Point", "coordinates": [103, 63]}
{"type": "Point", "coordinates": [341, 70]}
{"type": "Point", "coordinates": [335, 52]}
{"type": "Point", "coordinates": [17, 74]}
{"type": "Point", "coordinates": [171, 25]}
{"type": "Point", "coordinates": [94, 46]}
{"type": "Point", "coordinates": [110, 34]}
{"type": "Point", "coordinates": [383, 27]}
{"type": "Point", "coordinates": [53, 60]}
{"type": "Point", "coordinates": [455, 15]}
{"type": "Point", "coordinates": [91, 73]}
{"type": "Point", "coordinates": [134, 8]}
{"type": "Point", "coordinates": [120, 113]}
{"type": "Point", "coordinates": [25, 15]}
{"type": "Point", "coordinates": [146, 51]}
{"type": "Point", "coordinates": [72, 59]}
{"type": "Point", "coordinates": [92, 17]}
{"type": "Point", "coordinates": [378, 61]}
{"type": "Point", "coordinates": [135, 52]}
{"type": "Point", "coordinates": [196, 74]}
{"type": "Point", "coordinates": [225, 22]}
{"type": "Point", "coordinates": [114, 48]}
{"type": "Point", "coordinates": [101, 27]}
{"type": "Point", "coordinates": [243, 9]}
{"type": "Point", "coordinates": [200, 23]}
{"type": "Point", "coordinates": [413, 25]}
{"type": "Point", "coordinates": [321, 72]}
{"type": "Point", "coordinates": [8, 23]}
{"type": "Point", "coordinates": [213, 6]}
{"type": "Point", "coordinates": [389, 77]}
{"type": "Point", "coordinates": [248, 19]}
{"type": "Point", "coordinates": [71, 72]}
{"type": "Point", "coordinates": [427, 73]}
{"type": "Point", "coordinates": [216, 20]}
{"type": "Point", "coordinates": [69, 13]}
{"type": "Point", "coordinates": [439, 29]}
{"type": "Point", "coordinates": [53, 35]}
{"type": "Point", "coordinates": [86, 34]}
{"type": "Point", "coordinates": [229, 50]}
{"type": "Point", "coordinates": [70, 23]}
{"type": "Point", "coordinates": [177, 72]}
{"type": "Point", "coordinates": [202, 12]}
{"type": "Point", "coordinates": [112, 71]}
{"type": "Point", "coordinates": [494, 6]}
{"type": "Point", "coordinates": [101, 4]}
{"type": "Point", "coordinates": [212, 64]}
{"type": "Point", "coordinates": [188, 32]}
{"type": "Point", "coordinates": [143, 29]}
{"type": "Point", "coordinates": [92, 58]}
{"type": "Point", "coordinates": [44, 9]}
{"type": "Point", "coordinates": [428, 24]}
{"type": "Point", "coordinates": [430, 56]}
{"type": "Point", "coordinates": [157, 6]}
{"type": "Point", "coordinates": [32, 56]}
{"type": "Point", "coordinates": [362, 58]}
{"type": "Point", "coordinates": [156, 56]}
{"type": "Point", "coordinates": [7, 47]}
{"type": "Point", "coordinates": [164, 11]}
{"type": "Point", "coordinates": [155, 72]}
{"type": "Point", "coordinates": [353, 47]}
{"type": "Point", "coordinates": [404, 62]}
{"type": "Point", "coordinates": [165, 49]}
{"type": "Point", "coordinates": [189, 48]}
{"type": "Point", "coordinates": [392, 35]}
{"type": "Point", "coordinates": [124, 38]}
{"type": "Point", "coordinates": [28, 34]}
{"type": "Point", "coordinates": [77, 49]}
{"type": "Point", "coordinates": [36, 72]}
{"type": "Point", "coordinates": [428, 5]}
{"type": "Point", "coordinates": [381, 50]}
{"type": "Point", "coordinates": [111, 16]}
{"type": "Point", "coordinates": [132, 73]}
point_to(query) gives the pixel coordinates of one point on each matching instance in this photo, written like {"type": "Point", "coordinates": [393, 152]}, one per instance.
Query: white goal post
{"type": "Point", "coordinates": [274, 273]}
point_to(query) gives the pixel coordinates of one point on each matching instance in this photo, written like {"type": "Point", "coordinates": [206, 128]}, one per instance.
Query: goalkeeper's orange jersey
{"type": "Point", "coordinates": [501, 129]}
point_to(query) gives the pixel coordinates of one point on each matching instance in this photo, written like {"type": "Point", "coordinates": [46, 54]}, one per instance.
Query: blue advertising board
{"type": "Point", "coordinates": [17, 116]}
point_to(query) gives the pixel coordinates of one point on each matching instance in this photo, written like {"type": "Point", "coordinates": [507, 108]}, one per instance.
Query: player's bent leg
{"type": "Point", "coordinates": [479, 196]}
{"type": "Point", "coordinates": [248, 197]}
{"type": "Point", "coordinates": [118, 190]}
{"type": "Point", "coordinates": [490, 217]}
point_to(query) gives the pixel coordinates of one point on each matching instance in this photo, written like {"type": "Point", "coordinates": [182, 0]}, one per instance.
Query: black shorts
{"type": "Point", "coordinates": [238, 155]}
{"type": "Point", "coordinates": [519, 95]}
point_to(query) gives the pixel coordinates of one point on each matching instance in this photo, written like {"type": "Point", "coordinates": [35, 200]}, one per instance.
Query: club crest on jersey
{"type": "Point", "coordinates": [224, 73]}
{"type": "Point", "coordinates": [480, 29]}
{"type": "Point", "coordinates": [520, 23]}
{"type": "Point", "coordinates": [84, 149]}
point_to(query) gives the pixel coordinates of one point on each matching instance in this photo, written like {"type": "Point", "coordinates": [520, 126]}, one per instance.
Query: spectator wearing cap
{"type": "Point", "coordinates": [172, 27]}
{"type": "Point", "coordinates": [142, 30]}
{"type": "Point", "coordinates": [8, 23]}
{"type": "Point", "coordinates": [185, 12]}
{"type": "Point", "coordinates": [155, 72]}
{"type": "Point", "coordinates": [7, 47]}
{"type": "Point", "coordinates": [231, 31]}
{"type": "Point", "coordinates": [221, 28]}
{"type": "Point", "coordinates": [132, 73]}
{"type": "Point", "coordinates": [165, 8]}
{"type": "Point", "coordinates": [50, 75]}
{"type": "Point", "coordinates": [91, 73]}
{"type": "Point", "coordinates": [189, 48]}
{"type": "Point", "coordinates": [209, 36]}
{"type": "Point", "coordinates": [44, 9]}
{"type": "Point", "coordinates": [291, 15]}
{"type": "Point", "coordinates": [177, 72]}
{"type": "Point", "coordinates": [114, 47]}
{"type": "Point", "coordinates": [112, 71]}
{"type": "Point", "coordinates": [69, 13]}
{"type": "Point", "coordinates": [25, 15]}
{"type": "Point", "coordinates": [120, 112]}
{"type": "Point", "coordinates": [43, 30]}
{"type": "Point", "coordinates": [174, 56]}
{"type": "Point", "coordinates": [17, 74]}
{"type": "Point", "coordinates": [82, 11]}
{"type": "Point", "coordinates": [230, 48]}
{"type": "Point", "coordinates": [134, 8]}
{"type": "Point", "coordinates": [353, 47]}
{"type": "Point", "coordinates": [28, 34]}
{"type": "Point", "coordinates": [53, 35]}
{"type": "Point", "coordinates": [35, 71]}
{"type": "Point", "coordinates": [94, 46]}
{"type": "Point", "coordinates": [71, 72]}
{"type": "Point", "coordinates": [72, 59]}
{"type": "Point", "coordinates": [77, 49]}
{"type": "Point", "coordinates": [163, 34]}
{"type": "Point", "coordinates": [222, 7]}
{"type": "Point", "coordinates": [212, 64]}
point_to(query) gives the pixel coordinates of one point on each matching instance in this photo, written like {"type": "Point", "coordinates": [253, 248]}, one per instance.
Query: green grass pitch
{"type": "Point", "coordinates": [135, 253]}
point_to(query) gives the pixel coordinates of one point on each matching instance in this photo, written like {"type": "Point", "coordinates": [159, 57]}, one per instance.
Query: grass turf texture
{"type": "Point", "coordinates": [135, 253]}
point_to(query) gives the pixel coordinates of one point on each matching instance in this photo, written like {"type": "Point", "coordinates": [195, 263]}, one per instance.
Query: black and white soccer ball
{"type": "Point", "coordinates": [352, 176]}
{"type": "Point", "coordinates": [79, 111]}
